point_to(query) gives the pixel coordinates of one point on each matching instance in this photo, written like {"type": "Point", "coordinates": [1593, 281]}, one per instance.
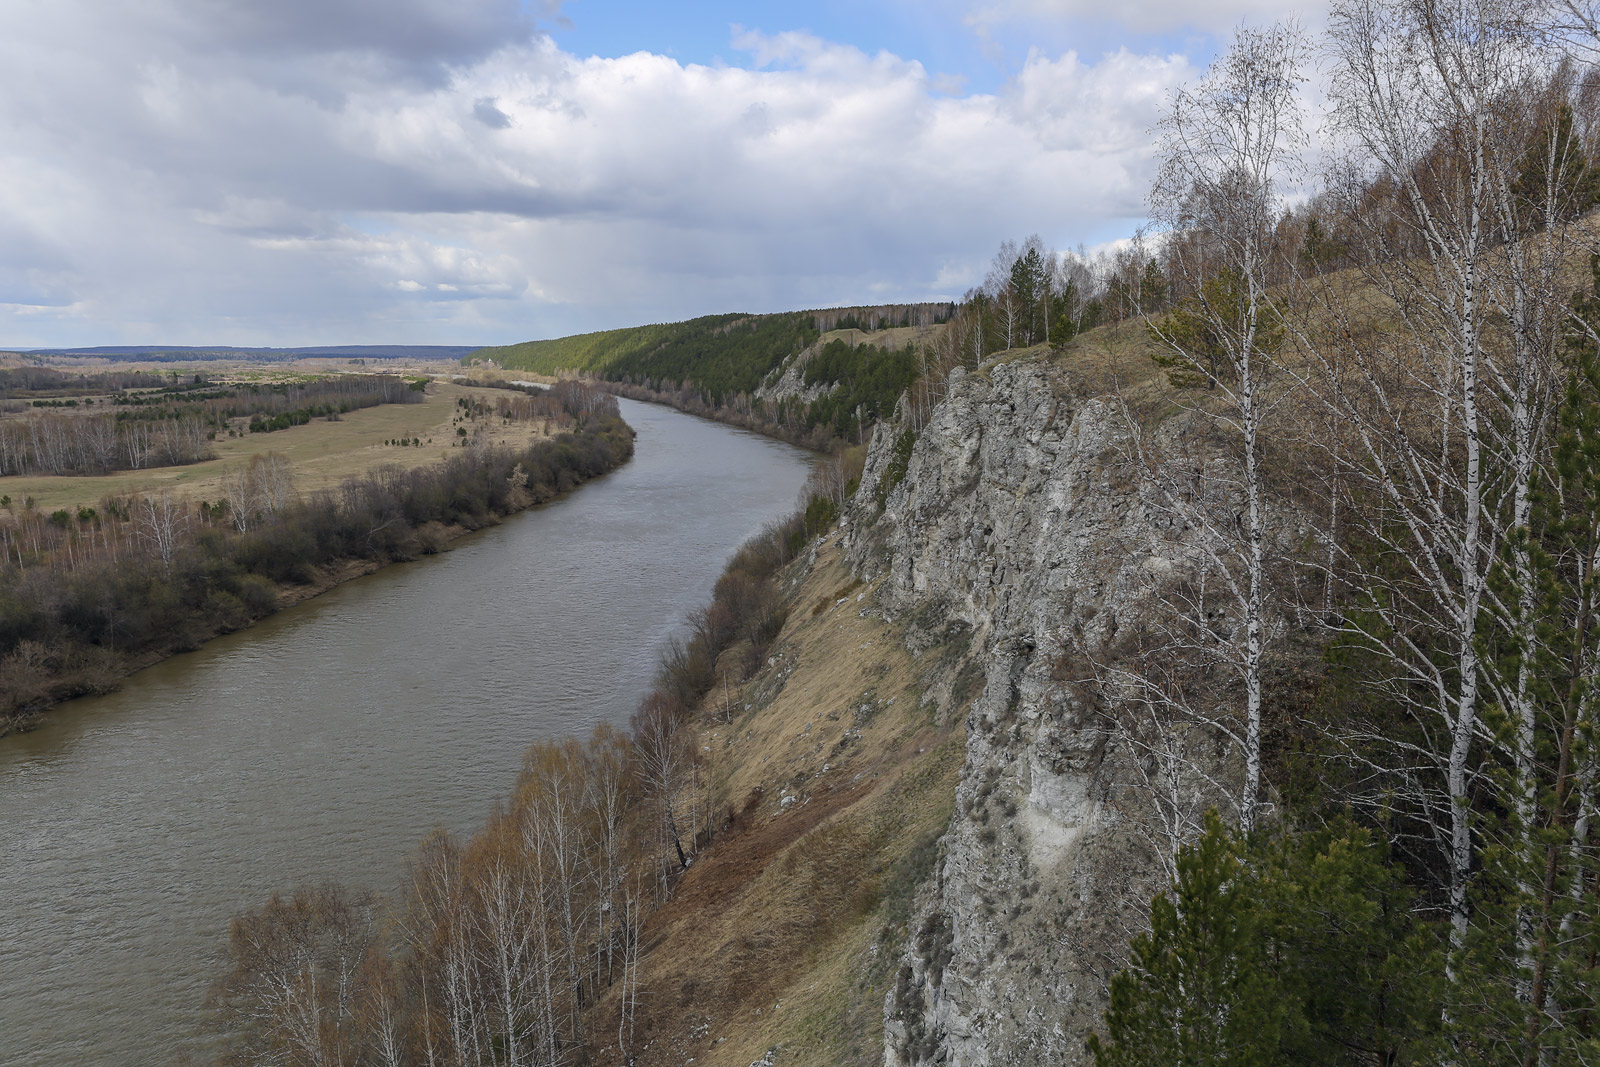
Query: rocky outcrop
{"type": "Point", "coordinates": [1019, 530]}
{"type": "Point", "coordinates": [787, 381]}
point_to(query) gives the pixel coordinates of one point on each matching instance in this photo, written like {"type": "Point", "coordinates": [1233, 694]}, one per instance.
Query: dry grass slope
{"type": "Point", "coordinates": [786, 931]}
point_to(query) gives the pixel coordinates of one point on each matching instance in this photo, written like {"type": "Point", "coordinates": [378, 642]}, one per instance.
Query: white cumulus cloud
{"type": "Point", "coordinates": [255, 174]}
{"type": "Point", "coordinates": [1140, 16]}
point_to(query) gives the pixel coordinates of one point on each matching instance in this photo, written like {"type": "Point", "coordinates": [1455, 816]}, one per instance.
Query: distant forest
{"type": "Point", "coordinates": [192, 353]}
{"type": "Point", "coordinates": [715, 366]}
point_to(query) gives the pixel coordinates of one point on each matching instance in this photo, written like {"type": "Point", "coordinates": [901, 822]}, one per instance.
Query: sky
{"type": "Point", "coordinates": [299, 172]}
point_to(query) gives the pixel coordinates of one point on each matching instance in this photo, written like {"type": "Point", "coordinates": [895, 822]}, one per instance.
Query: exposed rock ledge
{"type": "Point", "coordinates": [1020, 519]}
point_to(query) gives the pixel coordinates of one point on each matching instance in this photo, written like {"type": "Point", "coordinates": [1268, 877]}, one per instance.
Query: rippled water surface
{"type": "Point", "coordinates": [323, 742]}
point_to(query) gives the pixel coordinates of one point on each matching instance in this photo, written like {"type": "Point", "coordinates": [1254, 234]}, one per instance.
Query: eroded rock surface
{"type": "Point", "coordinates": [1021, 528]}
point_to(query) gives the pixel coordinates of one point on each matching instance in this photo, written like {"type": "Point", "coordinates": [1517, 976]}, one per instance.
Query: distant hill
{"type": "Point", "coordinates": [186, 353]}
{"type": "Point", "coordinates": [817, 378]}
{"type": "Point", "coordinates": [720, 355]}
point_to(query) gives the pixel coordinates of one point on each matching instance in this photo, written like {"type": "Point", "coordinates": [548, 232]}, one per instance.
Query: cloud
{"type": "Point", "coordinates": [419, 38]}
{"type": "Point", "coordinates": [258, 177]}
{"type": "Point", "coordinates": [486, 112]}
{"type": "Point", "coordinates": [1139, 16]}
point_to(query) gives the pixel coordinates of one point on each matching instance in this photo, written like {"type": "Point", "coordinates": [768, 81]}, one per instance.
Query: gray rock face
{"type": "Point", "coordinates": [788, 382]}
{"type": "Point", "coordinates": [1022, 533]}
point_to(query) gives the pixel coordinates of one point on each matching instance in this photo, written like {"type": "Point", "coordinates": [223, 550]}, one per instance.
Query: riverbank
{"type": "Point", "coordinates": [692, 402]}
{"type": "Point", "coordinates": [173, 577]}
{"type": "Point", "coordinates": [324, 742]}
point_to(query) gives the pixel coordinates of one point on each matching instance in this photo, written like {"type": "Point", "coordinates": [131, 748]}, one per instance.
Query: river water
{"type": "Point", "coordinates": [323, 742]}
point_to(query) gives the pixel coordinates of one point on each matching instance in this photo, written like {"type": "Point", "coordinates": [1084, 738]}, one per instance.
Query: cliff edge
{"type": "Point", "coordinates": [1018, 518]}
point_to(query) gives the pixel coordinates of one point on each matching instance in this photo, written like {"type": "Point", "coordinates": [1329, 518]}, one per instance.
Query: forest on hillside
{"type": "Point", "coordinates": [721, 365]}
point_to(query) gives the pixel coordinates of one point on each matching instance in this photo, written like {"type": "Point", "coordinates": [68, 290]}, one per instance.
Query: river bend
{"type": "Point", "coordinates": [323, 742]}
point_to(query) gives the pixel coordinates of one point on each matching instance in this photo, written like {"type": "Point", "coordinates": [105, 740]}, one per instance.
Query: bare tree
{"type": "Point", "coordinates": [138, 445]}
{"type": "Point", "coordinates": [556, 845]}
{"type": "Point", "coordinates": [99, 435]}
{"type": "Point", "coordinates": [665, 757]}
{"type": "Point", "coordinates": [1159, 691]}
{"type": "Point", "coordinates": [240, 491]}
{"type": "Point", "coordinates": [296, 979]}
{"type": "Point", "coordinates": [830, 479]}
{"type": "Point", "coordinates": [632, 923]}
{"type": "Point", "coordinates": [1228, 145]}
{"type": "Point", "coordinates": [1442, 433]}
{"type": "Point", "coordinates": [163, 523]}
{"type": "Point", "coordinates": [511, 952]}
{"type": "Point", "coordinates": [274, 482]}
{"type": "Point", "coordinates": [997, 286]}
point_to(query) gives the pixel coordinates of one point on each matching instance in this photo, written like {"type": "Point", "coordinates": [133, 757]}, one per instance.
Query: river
{"type": "Point", "coordinates": [323, 742]}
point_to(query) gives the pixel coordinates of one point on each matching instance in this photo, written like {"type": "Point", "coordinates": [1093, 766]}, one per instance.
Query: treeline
{"type": "Point", "coordinates": [883, 316]}
{"type": "Point", "coordinates": [555, 407]}
{"type": "Point", "coordinates": [721, 359]}
{"type": "Point", "coordinates": [591, 353]}
{"type": "Point", "coordinates": [722, 354]}
{"type": "Point", "coordinates": [86, 596]}
{"type": "Point", "coordinates": [860, 384]}
{"type": "Point", "coordinates": [51, 443]}
{"type": "Point", "coordinates": [268, 401]}
{"type": "Point", "coordinates": [718, 365]}
{"type": "Point", "coordinates": [1034, 295]}
{"type": "Point", "coordinates": [863, 385]}
{"type": "Point", "coordinates": [520, 944]}
{"type": "Point", "coordinates": [29, 382]}
{"type": "Point", "coordinates": [175, 424]}
{"type": "Point", "coordinates": [1383, 445]}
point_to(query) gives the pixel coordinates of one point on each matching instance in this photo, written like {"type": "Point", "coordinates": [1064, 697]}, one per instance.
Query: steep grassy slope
{"type": "Point", "coordinates": [840, 764]}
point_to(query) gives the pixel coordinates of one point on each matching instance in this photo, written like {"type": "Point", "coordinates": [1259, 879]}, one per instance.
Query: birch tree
{"type": "Point", "coordinates": [1228, 148]}
{"type": "Point", "coordinates": [300, 970]}
{"type": "Point", "coordinates": [163, 523]}
{"type": "Point", "coordinates": [239, 491]}
{"type": "Point", "coordinates": [1442, 425]}
{"type": "Point", "coordinates": [274, 481]}
{"type": "Point", "coordinates": [664, 766]}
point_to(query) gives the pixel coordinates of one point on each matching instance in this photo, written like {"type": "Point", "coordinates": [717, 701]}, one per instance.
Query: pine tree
{"type": "Point", "coordinates": [1294, 948]}
{"type": "Point", "coordinates": [1194, 994]}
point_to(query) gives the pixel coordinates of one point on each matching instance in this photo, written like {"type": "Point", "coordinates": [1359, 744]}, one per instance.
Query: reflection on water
{"type": "Point", "coordinates": [323, 742]}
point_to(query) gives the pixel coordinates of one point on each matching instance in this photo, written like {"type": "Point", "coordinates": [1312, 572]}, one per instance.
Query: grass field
{"type": "Point", "coordinates": [321, 453]}
{"type": "Point", "coordinates": [893, 337]}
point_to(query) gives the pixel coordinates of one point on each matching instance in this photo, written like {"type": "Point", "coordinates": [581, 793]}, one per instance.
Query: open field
{"type": "Point", "coordinates": [322, 453]}
{"type": "Point", "coordinates": [893, 337]}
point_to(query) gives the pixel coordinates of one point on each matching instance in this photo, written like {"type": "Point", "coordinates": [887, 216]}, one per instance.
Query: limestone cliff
{"type": "Point", "coordinates": [937, 844]}
{"type": "Point", "coordinates": [1018, 527]}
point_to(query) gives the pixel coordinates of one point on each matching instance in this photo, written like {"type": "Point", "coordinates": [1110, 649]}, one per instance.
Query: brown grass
{"type": "Point", "coordinates": [776, 936]}
{"type": "Point", "coordinates": [322, 453]}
